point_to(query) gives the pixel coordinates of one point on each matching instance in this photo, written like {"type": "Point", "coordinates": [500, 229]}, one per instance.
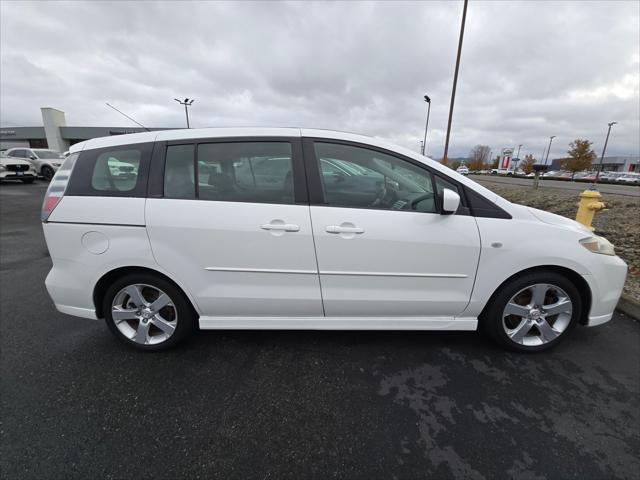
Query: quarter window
{"type": "Point", "coordinates": [362, 178]}
{"type": "Point", "coordinates": [116, 171]}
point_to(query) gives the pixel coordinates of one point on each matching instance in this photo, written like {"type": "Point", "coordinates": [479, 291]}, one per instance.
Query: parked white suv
{"type": "Point", "coordinates": [16, 169]}
{"type": "Point", "coordinates": [309, 229]}
{"type": "Point", "coordinates": [45, 161]}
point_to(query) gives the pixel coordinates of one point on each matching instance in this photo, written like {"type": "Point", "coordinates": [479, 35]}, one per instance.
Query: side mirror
{"type": "Point", "coordinates": [450, 202]}
{"type": "Point", "coordinates": [33, 157]}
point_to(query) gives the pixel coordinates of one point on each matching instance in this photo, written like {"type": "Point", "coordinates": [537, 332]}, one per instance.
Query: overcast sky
{"type": "Point", "coordinates": [529, 69]}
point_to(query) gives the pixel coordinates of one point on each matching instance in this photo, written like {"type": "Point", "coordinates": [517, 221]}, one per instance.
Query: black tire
{"type": "Point", "coordinates": [47, 172]}
{"type": "Point", "coordinates": [492, 318]}
{"type": "Point", "coordinates": [27, 180]}
{"type": "Point", "coordinates": [186, 319]}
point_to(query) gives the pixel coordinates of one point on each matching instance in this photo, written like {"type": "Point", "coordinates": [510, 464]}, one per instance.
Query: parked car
{"type": "Point", "coordinates": [462, 170]}
{"type": "Point", "coordinates": [17, 169]}
{"type": "Point", "coordinates": [630, 179]}
{"type": "Point", "coordinates": [45, 161]}
{"type": "Point", "coordinates": [426, 248]}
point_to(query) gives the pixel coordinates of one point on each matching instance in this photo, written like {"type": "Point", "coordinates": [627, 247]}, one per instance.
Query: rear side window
{"type": "Point", "coordinates": [112, 172]}
{"type": "Point", "coordinates": [254, 172]}
{"type": "Point", "coordinates": [178, 172]}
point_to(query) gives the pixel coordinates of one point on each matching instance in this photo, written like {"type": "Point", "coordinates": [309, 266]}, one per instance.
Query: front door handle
{"type": "Point", "coordinates": [282, 227]}
{"type": "Point", "coordinates": [344, 229]}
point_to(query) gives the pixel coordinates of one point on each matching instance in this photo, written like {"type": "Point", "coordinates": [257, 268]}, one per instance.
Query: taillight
{"type": "Point", "coordinates": [57, 187]}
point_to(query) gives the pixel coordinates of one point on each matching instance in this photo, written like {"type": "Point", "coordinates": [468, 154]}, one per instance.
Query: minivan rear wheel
{"type": "Point", "coordinates": [147, 312]}
{"type": "Point", "coordinates": [533, 312]}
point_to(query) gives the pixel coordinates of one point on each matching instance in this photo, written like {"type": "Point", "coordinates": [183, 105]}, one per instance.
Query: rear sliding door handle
{"type": "Point", "coordinates": [344, 229]}
{"type": "Point", "coordinates": [283, 227]}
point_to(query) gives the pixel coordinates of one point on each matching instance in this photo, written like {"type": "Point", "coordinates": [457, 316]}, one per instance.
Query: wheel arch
{"type": "Point", "coordinates": [581, 284]}
{"type": "Point", "coordinates": [108, 278]}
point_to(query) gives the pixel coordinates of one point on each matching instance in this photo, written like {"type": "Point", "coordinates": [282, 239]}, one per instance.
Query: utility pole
{"type": "Point", "coordinates": [455, 83]}
{"type": "Point", "coordinates": [186, 103]}
{"type": "Point", "coordinates": [611, 124]}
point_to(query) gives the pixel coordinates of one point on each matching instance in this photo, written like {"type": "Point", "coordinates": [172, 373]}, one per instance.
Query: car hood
{"type": "Point", "coordinates": [559, 220]}
{"type": "Point", "coordinates": [13, 161]}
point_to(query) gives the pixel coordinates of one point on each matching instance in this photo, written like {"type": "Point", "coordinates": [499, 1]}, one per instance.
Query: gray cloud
{"type": "Point", "coordinates": [529, 69]}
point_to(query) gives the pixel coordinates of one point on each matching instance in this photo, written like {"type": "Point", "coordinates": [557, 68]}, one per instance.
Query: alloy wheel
{"type": "Point", "coordinates": [144, 314]}
{"type": "Point", "coordinates": [537, 314]}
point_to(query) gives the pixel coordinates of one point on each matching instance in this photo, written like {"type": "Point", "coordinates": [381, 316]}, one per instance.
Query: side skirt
{"type": "Point", "coordinates": [338, 323]}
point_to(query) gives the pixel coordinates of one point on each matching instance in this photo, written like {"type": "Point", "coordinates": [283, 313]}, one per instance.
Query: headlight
{"type": "Point", "coordinates": [597, 244]}
{"type": "Point", "coordinates": [2, 168]}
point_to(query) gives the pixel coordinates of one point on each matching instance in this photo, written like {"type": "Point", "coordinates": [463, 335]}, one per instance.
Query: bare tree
{"type": "Point", "coordinates": [479, 157]}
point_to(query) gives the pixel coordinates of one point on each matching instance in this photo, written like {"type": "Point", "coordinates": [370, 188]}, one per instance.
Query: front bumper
{"type": "Point", "coordinates": [606, 282]}
{"type": "Point", "coordinates": [8, 175]}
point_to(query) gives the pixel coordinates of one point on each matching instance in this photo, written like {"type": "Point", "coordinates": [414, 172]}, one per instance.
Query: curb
{"type": "Point", "coordinates": [629, 306]}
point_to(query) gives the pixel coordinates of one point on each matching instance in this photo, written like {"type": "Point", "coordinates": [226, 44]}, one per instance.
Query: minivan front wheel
{"type": "Point", "coordinates": [147, 312]}
{"type": "Point", "coordinates": [533, 312]}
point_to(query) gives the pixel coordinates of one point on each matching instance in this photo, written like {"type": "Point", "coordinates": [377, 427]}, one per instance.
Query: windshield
{"type": "Point", "coordinates": [48, 154]}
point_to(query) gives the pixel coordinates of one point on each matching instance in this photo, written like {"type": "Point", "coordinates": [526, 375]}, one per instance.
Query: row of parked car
{"type": "Point", "coordinates": [625, 178]}
{"type": "Point", "coordinates": [27, 164]}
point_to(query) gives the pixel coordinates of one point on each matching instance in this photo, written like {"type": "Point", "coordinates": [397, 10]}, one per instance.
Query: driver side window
{"type": "Point", "coordinates": [358, 177]}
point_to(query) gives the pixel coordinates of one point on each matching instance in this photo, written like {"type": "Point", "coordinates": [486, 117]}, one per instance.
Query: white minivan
{"type": "Point", "coordinates": [286, 228]}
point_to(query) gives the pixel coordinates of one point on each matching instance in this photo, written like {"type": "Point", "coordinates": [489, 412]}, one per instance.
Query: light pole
{"type": "Point", "coordinates": [455, 82]}
{"type": "Point", "coordinates": [549, 149]}
{"type": "Point", "coordinates": [426, 127]}
{"type": "Point", "coordinates": [611, 124]}
{"type": "Point", "coordinates": [516, 159]}
{"type": "Point", "coordinates": [186, 103]}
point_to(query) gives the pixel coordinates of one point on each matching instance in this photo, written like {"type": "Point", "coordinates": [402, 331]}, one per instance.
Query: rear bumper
{"type": "Point", "coordinates": [606, 283]}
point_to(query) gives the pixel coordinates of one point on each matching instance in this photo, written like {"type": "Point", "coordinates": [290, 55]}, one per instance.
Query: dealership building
{"type": "Point", "coordinates": [625, 163]}
{"type": "Point", "coordinates": [55, 134]}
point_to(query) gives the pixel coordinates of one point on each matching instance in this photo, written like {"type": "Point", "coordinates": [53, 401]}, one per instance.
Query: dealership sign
{"type": "Point", "coordinates": [505, 162]}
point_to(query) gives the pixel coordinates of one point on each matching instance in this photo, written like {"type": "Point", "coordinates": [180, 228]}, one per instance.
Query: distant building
{"type": "Point", "coordinates": [55, 134]}
{"type": "Point", "coordinates": [625, 163]}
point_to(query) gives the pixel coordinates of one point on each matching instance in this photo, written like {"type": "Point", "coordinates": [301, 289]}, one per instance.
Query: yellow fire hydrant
{"type": "Point", "coordinates": [587, 206]}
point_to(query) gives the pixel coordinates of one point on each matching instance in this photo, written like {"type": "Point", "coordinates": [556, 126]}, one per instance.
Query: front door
{"type": "Point", "coordinates": [235, 230]}
{"type": "Point", "coordinates": [382, 247]}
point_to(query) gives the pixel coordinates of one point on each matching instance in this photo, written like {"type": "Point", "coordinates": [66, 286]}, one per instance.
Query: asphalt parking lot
{"type": "Point", "coordinates": [236, 404]}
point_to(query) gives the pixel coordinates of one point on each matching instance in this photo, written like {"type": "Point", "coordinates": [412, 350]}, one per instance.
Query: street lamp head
{"type": "Point", "coordinates": [186, 100]}
{"type": "Point", "coordinates": [612, 123]}
{"type": "Point", "coordinates": [427, 99]}
{"type": "Point", "coordinates": [552, 137]}
{"type": "Point", "coordinates": [192, 100]}
{"type": "Point", "coordinates": [177, 100]}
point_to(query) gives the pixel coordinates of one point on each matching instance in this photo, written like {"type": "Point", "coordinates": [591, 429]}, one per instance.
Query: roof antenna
{"type": "Point", "coordinates": [121, 113]}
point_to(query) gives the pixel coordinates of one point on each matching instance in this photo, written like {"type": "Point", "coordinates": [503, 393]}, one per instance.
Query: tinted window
{"type": "Point", "coordinates": [258, 172]}
{"type": "Point", "coordinates": [18, 153]}
{"type": "Point", "coordinates": [362, 178]}
{"type": "Point", "coordinates": [178, 172]}
{"type": "Point", "coordinates": [116, 171]}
